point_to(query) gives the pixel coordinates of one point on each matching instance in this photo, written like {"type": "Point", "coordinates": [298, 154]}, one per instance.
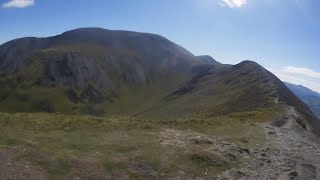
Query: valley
{"type": "Point", "coordinates": [311, 98]}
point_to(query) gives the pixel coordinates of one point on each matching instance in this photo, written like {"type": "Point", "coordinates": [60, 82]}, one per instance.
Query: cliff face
{"type": "Point", "coordinates": [90, 64]}
{"type": "Point", "coordinates": [83, 49]}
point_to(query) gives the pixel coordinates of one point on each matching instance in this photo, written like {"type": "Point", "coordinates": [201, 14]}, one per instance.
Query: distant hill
{"type": "Point", "coordinates": [311, 98]}
{"type": "Point", "coordinates": [103, 72]}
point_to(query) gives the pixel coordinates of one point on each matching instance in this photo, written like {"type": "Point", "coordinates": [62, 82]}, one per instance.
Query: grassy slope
{"type": "Point", "coordinates": [21, 91]}
{"type": "Point", "coordinates": [221, 91]}
{"type": "Point", "coordinates": [119, 146]}
{"type": "Point", "coordinates": [66, 147]}
{"type": "Point", "coordinates": [159, 137]}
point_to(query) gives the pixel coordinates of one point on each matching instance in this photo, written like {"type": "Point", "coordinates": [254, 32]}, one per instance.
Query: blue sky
{"type": "Point", "coordinates": [281, 35]}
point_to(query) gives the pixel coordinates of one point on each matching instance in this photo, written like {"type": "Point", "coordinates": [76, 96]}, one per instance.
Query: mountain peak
{"type": "Point", "coordinates": [96, 32]}
{"type": "Point", "coordinates": [248, 63]}
{"type": "Point", "coordinates": [207, 59]}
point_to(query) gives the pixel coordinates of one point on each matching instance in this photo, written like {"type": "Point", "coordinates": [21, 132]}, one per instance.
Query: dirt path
{"type": "Point", "coordinates": [288, 154]}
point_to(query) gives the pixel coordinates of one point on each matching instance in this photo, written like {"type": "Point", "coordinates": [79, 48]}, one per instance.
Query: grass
{"type": "Point", "coordinates": [28, 97]}
{"type": "Point", "coordinates": [122, 146]}
{"type": "Point", "coordinates": [26, 101]}
{"type": "Point", "coordinates": [153, 137]}
{"type": "Point", "coordinates": [56, 168]}
{"type": "Point", "coordinates": [90, 50]}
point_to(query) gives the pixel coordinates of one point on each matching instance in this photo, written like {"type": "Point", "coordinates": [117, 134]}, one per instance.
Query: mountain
{"type": "Point", "coordinates": [207, 60]}
{"type": "Point", "coordinates": [87, 66]}
{"type": "Point", "coordinates": [232, 90]}
{"type": "Point", "coordinates": [99, 104]}
{"type": "Point", "coordinates": [311, 98]}
{"type": "Point", "coordinates": [100, 72]}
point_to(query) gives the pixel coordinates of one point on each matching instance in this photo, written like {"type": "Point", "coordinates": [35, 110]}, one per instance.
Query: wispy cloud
{"type": "Point", "coordinates": [300, 76]}
{"type": "Point", "coordinates": [233, 3]}
{"type": "Point", "coordinates": [18, 4]}
{"type": "Point", "coordinates": [302, 71]}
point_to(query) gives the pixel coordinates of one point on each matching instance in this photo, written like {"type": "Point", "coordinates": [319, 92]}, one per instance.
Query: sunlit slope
{"type": "Point", "coordinates": [245, 90]}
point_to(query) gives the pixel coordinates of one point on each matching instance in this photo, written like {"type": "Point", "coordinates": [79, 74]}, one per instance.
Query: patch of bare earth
{"type": "Point", "coordinates": [209, 155]}
{"type": "Point", "coordinates": [86, 168]}
{"type": "Point", "coordinates": [12, 167]}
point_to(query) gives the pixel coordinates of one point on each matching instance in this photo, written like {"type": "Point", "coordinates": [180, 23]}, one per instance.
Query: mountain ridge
{"type": "Point", "coordinates": [95, 103]}
{"type": "Point", "coordinates": [310, 97]}
{"type": "Point", "coordinates": [97, 71]}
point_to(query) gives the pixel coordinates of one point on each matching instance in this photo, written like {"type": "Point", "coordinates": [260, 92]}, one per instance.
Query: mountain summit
{"type": "Point", "coordinates": [100, 72]}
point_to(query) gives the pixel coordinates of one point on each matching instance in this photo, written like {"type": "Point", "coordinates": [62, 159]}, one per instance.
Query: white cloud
{"type": "Point", "coordinates": [302, 71]}
{"type": "Point", "coordinates": [299, 76]}
{"type": "Point", "coordinates": [208, 6]}
{"type": "Point", "coordinates": [233, 3]}
{"type": "Point", "coordinates": [18, 4]}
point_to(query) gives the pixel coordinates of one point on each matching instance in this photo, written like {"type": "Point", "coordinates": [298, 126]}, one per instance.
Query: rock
{"type": "Point", "coordinates": [293, 174]}
{"type": "Point", "coordinates": [241, 173]}
{"type": "Point", "coordinates": [261, 164]}
{"type": "Point", "coordinates": [244, 140]}
{"type": "Point", "coordinates": [244, 150]}
{"type": "Point", "coordinates": [202, 140]}
{"type": "Point", "coordinates": [263, 154]}
{"type": "Point", "coordinates": [272, 133]}
{"type": "Point", "coordinates": [306, 171]}
{"type": "Point", "coordinates": [311, 147]}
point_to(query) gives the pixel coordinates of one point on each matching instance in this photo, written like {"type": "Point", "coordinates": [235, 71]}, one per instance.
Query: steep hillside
{"type": "Point", "coordinates": [245, 90]}
{"type": "Point", "coordinates": [86, 70]}
{"type": "Point", "coordinates": [208, 60]}
{"type": "Point", "coordinates": [311, 98]}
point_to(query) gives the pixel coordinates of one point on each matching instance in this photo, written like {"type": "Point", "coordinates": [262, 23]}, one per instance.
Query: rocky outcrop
{"type": "Point", "coordinates": [283, 156]}
{"type": "Point", "coordinates": [95, 63]}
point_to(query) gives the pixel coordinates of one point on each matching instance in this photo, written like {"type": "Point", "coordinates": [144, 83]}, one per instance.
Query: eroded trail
{"type": "Point", "coordinates": [288, 154]}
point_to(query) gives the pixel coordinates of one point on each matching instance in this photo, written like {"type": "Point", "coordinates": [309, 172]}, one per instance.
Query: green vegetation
{"type": "Point", "coordinates": [120, 147]}
{"type": "Point", "coordinates": [157, 112]}
{"type": "Point", "coordinates": [90, 50]}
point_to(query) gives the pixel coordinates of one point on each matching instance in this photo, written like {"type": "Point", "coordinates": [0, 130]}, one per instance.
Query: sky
{"type": "Point", "coordinates": [281, 35]}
